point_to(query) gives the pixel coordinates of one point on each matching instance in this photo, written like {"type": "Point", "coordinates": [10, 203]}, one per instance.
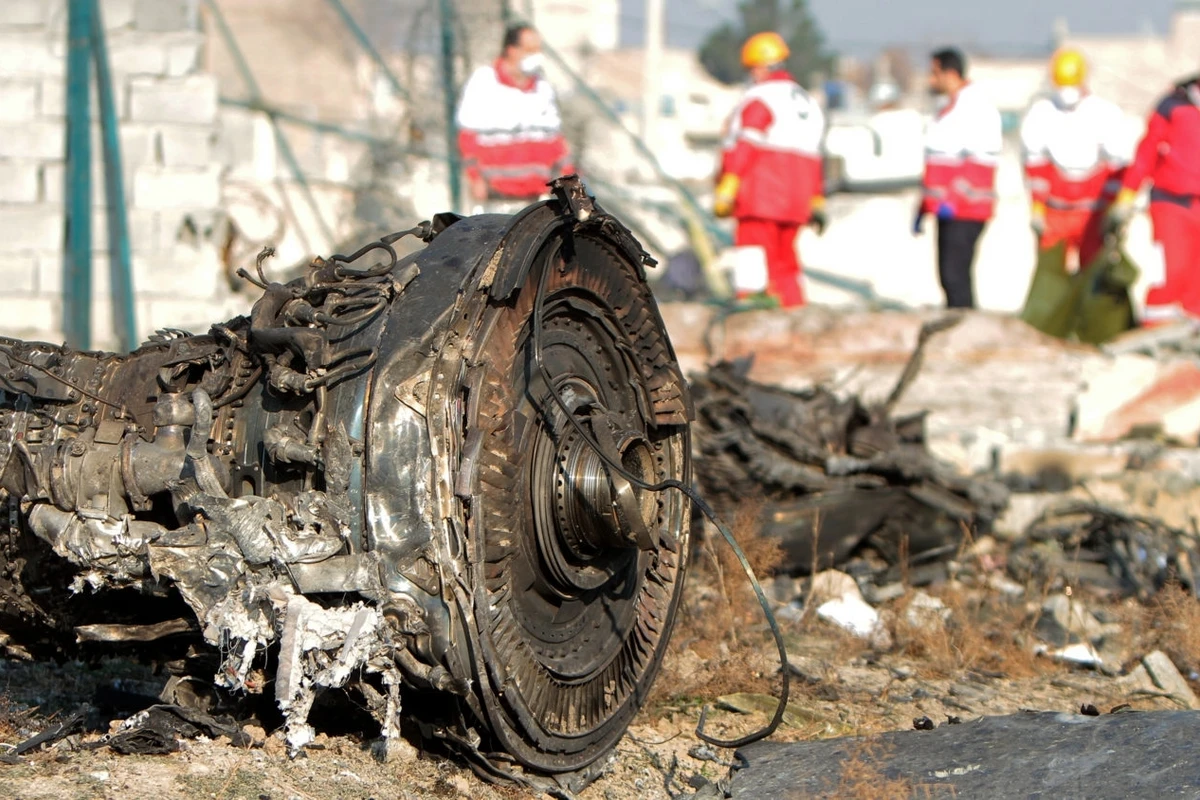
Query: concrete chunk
{"type": "Point", "coordinates": [185, 145]}
{"type": "Point", "coordinates": [1166, 677]}
{"type": "Point", "coordinates": [17, 273]}
{"type": "Point", "coordinates": [32, 316]}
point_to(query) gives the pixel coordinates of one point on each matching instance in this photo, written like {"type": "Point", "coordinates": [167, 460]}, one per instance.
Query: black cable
{"type": "Point", "coordinates": [697, 501]}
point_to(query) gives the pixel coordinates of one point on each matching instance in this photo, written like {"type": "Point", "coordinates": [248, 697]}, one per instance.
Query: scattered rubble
{"type": "Point", "coordinates": [1106, 549]}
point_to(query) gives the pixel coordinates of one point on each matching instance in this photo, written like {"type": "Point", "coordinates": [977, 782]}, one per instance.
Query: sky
{"type": "Point", "coordinates": [863, 27]}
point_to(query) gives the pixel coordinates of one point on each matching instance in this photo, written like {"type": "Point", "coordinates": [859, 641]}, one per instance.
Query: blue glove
{"type": "Point", "coordinates": [945, 211]}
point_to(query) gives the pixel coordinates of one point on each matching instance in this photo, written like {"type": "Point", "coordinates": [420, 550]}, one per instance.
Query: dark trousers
{"type": "Point", "coordinates": [956, 253]}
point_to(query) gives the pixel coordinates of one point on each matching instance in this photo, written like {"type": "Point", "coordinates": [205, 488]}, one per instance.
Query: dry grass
{"type": "Point", "coordinates": [721, 644]}
{"type": "Point", "coordinates": [1171, 623]}
{"type": "Point", "coordinates": [861, 777]}
{"type": "Point", "coordinates": [980, 633]}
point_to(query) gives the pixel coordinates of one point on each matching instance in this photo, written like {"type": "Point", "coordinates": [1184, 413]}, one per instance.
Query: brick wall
{"type": "Point", "coordinates": [167, 113]}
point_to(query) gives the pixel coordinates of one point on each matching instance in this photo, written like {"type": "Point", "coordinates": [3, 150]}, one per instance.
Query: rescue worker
{"type": "Point", "coordinates": [510, 131]}
{"type": "Point", "coordinates": [1072, 152]}
{"type": "Point", "coordinates": [1169, 157]}
{"type": "Point", "coordinates": [771, 179]}
{"type": "Point", "coordinates": [962, 147]}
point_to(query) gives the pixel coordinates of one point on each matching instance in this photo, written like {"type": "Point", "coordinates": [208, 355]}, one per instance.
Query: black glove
{"type": "Point", "coordinates": [819, 221]}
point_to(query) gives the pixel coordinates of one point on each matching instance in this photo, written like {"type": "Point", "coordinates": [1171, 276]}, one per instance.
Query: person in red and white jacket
{"type": "Point", "coordinates": [510, 131]}
{"type": "Point", "coordinates": [1169, 157]}
{"type": "Point", "coordinates": [771, 177]}
{"type": "Point", "coordinates": [1072, 143]}
{"type": "Point", "coordinates": [962, 147]}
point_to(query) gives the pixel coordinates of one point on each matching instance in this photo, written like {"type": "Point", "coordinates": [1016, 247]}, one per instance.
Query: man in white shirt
{"type": "Point", "coordinates": [510, 131]}
{"type": "Point", "coordinates": [961, 151]}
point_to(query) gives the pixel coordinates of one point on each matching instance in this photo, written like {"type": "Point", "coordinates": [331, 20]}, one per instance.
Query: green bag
{"type": "Point", "coordinates": [1053, 295]}
{"type": "Point", "coordinates": [1105, 309]}
{"type": "Point", "coordinates": [1093, 305]}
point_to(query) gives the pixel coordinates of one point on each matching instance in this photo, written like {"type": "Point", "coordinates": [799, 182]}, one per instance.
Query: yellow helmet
{"type": "Point", "coordinates": [1069, 68]}
{"type": "Point", "coordinates": [764, 49]}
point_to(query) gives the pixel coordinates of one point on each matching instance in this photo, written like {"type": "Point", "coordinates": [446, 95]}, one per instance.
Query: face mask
{"type": "Point", "coordinates": [1069, 96]}
{"type": "Point", "coordinates": [532, 64]}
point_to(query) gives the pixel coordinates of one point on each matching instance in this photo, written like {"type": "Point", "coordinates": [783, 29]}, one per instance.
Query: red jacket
{"type": "Point", "coordinates": [961, 150]}
{"type": "Point", "coordinates": [774, 147]}
{"type": "Point", "coordinates": [510, 134]}
{"type": "Point", "coordinates": [1169, 153]}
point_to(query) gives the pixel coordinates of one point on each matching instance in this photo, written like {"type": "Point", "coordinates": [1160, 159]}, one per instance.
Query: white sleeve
{"type": "Point", "coordinates": [1033, 133]}
{"type": "Point", "coordinates": [1115, 141]}
{"type": "Point", "coordinates": [473, 105]}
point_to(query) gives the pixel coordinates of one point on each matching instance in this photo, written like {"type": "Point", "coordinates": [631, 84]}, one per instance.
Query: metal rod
{"type": "Point", "coordinates": [449, 96]}
{"type": "Point", "coordinates": [77, 262]}
{"type": "Point", "coordinates": [281, 141]}
{"type": "Point", "coordinates": [316, 125]}
{"type": "Point", "coordinates": [120, 259]}
{"type": "Point", "coordinates": [365, 42]}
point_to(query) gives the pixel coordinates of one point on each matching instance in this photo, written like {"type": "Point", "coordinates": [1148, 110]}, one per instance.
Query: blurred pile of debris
{"type": "Point", "coordinates": [836, 477]}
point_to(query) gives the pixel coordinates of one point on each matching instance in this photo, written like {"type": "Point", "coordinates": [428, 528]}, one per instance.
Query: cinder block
{"type": "Point", "coordinates": [183, 55]}
{"type": "Point", "coordinates": [117, 13]}
{"type": "Point", "coordinates": [30, 227]}
{"type": "Point", "coordinates": [18, 99]}
{"type": "Point", "coordinates": [166, 15]}
{"type": "Point", "coordinates": [19, 182]}
{"type": "Point", "coordinates": [189, 100]}
{"type": "Point", "coordinates": [32, 140]}
{"type": "Point", "coordinates": [53, 186]}
{"type": "Point", "coordinates": [37, 317]}
{"type": "Point", "coordinates": [24, 13]}
{"type": "Point", "coordinates": [167, 188]}
{"type": "Point", "coordinates": [54, 103]}
{"type": "Point", "coordinates": [185, 145]}
{"type": "Point", "coordinates": [18, 273]}
{"type": "Point", "coordinates": [131, 53]}
{"type": "Point", "coordinates": [30, 53]}
{"type": "Point", "coordinates": [180, 273]}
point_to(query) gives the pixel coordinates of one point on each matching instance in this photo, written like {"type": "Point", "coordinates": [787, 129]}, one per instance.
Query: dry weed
{"type": "Point", "coordinates": [979, 633]}
{"type": "Point", "coordinates": [720, 644]}
{"type": "Point", "coordinates": [862, 777]}
{"type": "Point", "coordinates": [1171, 622]}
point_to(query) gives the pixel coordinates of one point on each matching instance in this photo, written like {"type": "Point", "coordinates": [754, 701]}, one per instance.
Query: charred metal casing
{"type": "Point", "coordinates": [369, 482]}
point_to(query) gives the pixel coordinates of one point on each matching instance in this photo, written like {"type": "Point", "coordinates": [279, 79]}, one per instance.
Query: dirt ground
{"type": "Point", "coordinates": [975, 658]}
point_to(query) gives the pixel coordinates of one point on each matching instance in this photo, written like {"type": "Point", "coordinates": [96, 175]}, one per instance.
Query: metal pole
{"type": "Point", "coordinates": [651, 71]}
{"type": "Point", "coordinates": [449, 97]}
{"type": "Point", "coordinates": [77, 262]}
{"type": "Point", "coordinates": [124, 315]}
{"type": "Point", "coordinates": [365, 43]}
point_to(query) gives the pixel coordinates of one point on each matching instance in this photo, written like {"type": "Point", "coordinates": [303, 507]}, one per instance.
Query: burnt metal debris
{"type": "Point", "coordinates": [1107, 549]}
{"type": "Point", "coordinates": [834, 474]}
{"type": "Point", "coordinates": [368, 483]}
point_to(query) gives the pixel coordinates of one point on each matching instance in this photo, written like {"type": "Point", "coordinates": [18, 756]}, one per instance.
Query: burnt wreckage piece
{"type": "Point", "coordinates": [367, 483]}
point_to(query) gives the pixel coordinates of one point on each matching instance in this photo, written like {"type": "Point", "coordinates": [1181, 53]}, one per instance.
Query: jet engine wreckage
{"type": "Point", "coordinates": [391, 478]}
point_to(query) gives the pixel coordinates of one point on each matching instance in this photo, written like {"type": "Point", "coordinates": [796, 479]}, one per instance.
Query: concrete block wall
{"type": "Point", "coordinates": [167, 111]}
